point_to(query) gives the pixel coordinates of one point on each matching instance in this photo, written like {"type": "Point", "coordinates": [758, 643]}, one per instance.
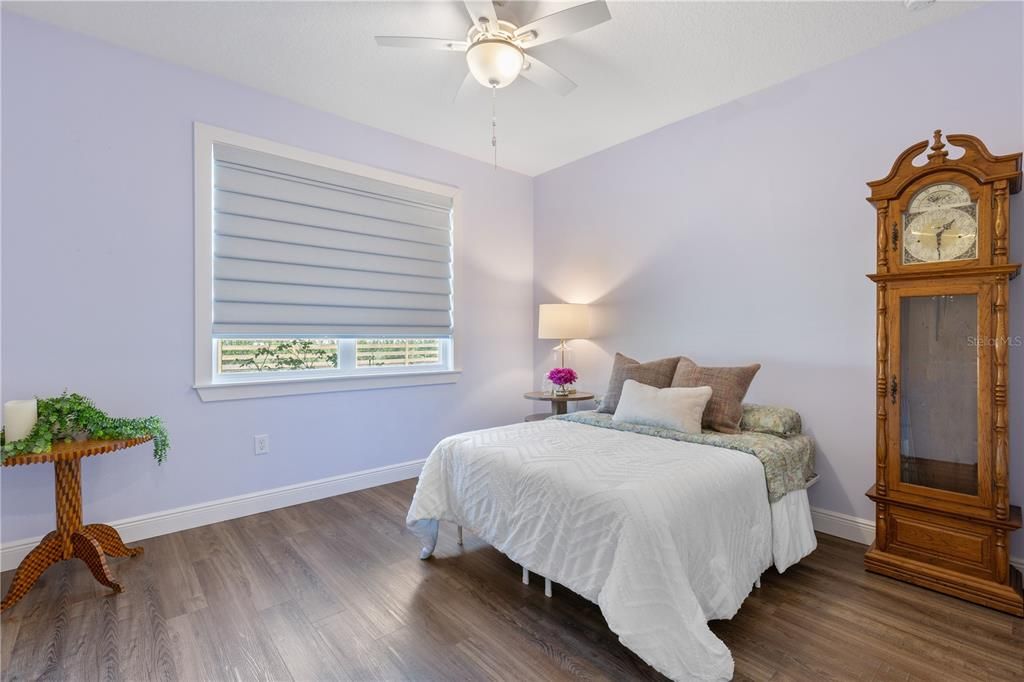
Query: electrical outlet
{"type": "Point", "coordinates": [261, 444]}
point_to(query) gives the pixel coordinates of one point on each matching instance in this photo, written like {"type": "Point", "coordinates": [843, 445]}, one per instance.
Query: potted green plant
{"type": "Point", "coordinates": [72, 416]}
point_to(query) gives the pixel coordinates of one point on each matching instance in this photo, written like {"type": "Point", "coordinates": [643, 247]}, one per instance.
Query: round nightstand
{"type": "Point", "coordinates": [559, 403]}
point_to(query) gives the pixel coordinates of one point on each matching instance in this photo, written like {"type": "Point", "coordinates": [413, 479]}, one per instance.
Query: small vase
{"type": "Point", "coordinates": [562, 390]}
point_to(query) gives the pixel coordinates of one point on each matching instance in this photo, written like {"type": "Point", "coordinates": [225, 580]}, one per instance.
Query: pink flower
{"type": "Point", "coordinates": [561, 376]}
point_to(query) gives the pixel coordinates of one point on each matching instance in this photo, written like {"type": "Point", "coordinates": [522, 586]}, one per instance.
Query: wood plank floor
{"type": "Point", "coordinates": [333, 590]}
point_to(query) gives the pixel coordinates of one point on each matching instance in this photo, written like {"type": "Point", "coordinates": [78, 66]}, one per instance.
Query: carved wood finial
{"type": "Point", "coordinates": [938, 148]}
{"type": "Point", "coordinates": [975, 160]}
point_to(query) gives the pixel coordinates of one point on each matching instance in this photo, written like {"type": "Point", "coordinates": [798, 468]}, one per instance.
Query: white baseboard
{"type": "Point", "coordinates": [182, 518]}
{"type": "Point", "coordinates": [859, 530]}
{"type": "Point", "coordinates": [843, 525]}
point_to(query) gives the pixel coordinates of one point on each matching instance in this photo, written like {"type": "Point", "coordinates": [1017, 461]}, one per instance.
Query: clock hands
{"type": "Point", "coordinates": [928, 234]}
{"type": "Point", "coordinates": [938, 237]}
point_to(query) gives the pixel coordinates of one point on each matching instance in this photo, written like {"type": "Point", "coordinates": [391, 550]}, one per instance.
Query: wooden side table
{"type": "Point", "coordinates": [71, 540]}
{"type": "Point", "coordinates": [559, 403]}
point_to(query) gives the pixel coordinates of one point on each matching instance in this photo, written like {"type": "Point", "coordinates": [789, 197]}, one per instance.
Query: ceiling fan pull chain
{"type": "Point", "coordinates": [494, 123]}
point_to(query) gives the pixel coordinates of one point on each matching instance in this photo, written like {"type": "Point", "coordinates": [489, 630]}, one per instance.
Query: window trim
{"type": "Point", "coordinates": [207, 383]}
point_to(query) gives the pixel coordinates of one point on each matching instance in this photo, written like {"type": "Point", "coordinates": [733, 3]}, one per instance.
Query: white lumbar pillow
{"type": "Point", "coordinates": [680, 409]}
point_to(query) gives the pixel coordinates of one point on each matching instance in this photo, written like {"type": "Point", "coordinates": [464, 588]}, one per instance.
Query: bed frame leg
{"type": "Point", "coordinates": [526, 575]}
{"type": "Point", "coordinates": [547, 587]}
{"type": "Point", "coordinates": [757, 584]}
{"type": "Point", "coordinates": [460, 536]}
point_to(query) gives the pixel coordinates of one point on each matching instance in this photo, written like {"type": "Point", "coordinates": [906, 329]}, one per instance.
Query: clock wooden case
{"type": "Point", "coordinates": [942, 508]}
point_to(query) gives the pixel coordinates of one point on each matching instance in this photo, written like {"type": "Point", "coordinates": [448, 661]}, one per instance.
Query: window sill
{"type": "Point", "coordinates": [268, 388]}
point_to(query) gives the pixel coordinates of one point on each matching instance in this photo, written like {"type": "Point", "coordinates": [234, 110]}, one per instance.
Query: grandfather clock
{"type": "Point", "coordinates": [941, 494]}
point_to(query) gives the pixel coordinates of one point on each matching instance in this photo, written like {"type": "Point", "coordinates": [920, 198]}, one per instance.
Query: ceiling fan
{"type": "Point", "coordinates": [496, 49]}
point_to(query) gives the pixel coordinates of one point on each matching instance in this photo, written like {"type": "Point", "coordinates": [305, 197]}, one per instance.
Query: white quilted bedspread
{"type": "Point", "coordinates": [663, 535]}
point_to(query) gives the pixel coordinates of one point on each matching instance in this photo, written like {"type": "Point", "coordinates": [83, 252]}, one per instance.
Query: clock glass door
{"type": "Point", "coordinates": [938, 391]}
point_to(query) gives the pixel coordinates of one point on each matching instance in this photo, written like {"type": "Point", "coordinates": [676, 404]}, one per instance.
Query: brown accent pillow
{"type": "Point", "coordinates": [657, 373]}
{"type": "Point", "coordinates": [728, 386]}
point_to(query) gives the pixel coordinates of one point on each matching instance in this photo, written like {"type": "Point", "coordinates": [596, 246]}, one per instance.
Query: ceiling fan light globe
{"type": "Point", "coordinates": [494, 62]}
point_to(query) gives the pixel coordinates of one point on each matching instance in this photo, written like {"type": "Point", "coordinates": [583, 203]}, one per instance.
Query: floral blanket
{"type": "Point", "coordinates": [788, 462]}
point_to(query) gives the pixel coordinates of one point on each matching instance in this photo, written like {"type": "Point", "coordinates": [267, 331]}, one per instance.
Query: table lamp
{"type": "Point", "coordinates": [563, 321]}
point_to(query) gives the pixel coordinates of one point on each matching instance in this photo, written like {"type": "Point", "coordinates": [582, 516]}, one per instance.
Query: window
{"type": "Point", "coordinates": [255, 356]}
{"type": "Point", "coordinates": [315, 274]}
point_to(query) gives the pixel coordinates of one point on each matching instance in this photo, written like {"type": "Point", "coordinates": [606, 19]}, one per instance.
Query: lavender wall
{"type": "Point", "coordinates": [742, 235]}
{"type": "Point", "coordinates": [738, 235]}
{"type": "Point", "coordinates": [98, 281]}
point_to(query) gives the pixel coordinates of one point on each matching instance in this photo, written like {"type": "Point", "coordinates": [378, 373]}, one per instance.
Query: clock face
{"type": "Point", "coordinates": [941, 224]}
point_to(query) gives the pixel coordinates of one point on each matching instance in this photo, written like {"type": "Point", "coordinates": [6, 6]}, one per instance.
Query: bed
{"type": "Point", "coordinates": [663, 530]}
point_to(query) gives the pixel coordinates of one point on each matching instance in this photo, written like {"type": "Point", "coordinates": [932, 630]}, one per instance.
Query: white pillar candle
{"type": "Point", "coordinates": [19, 418]}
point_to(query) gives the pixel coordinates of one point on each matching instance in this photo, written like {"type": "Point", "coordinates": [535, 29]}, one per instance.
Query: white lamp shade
{"type": "Point", "coordinates": [563, 321]}
{"type": "Point", "coordinates": [494, 63]}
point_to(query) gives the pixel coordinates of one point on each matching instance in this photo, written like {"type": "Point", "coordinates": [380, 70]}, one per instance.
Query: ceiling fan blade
{"type": "Point", "coordinates": [561, 24]}
{"type": "Point", "coordinates": [481, 10]}
{"type": "Point", "coordinates": [422, 43]}
{"type": "Point", "coordinates": [465, 87]}
{"type": "Point", "coordinates": [546, 77]}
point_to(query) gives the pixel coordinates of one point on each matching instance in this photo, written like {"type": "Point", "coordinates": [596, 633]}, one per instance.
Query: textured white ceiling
{"type": "Point", "coordinates": [652, 64]}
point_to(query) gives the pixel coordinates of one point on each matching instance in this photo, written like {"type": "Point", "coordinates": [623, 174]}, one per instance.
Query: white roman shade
{"type": "Point", "coordinates": [305, 250]}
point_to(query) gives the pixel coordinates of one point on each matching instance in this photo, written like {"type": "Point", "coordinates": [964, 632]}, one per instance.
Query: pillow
{"type": "Point", "coordinates": [657, 373]}
{"type": "Point", "coordinates": [669, 408]}
{"type": "Point", "coordinates": [778, 421]}
{"type": "Point", "coordinates": [728, 386]}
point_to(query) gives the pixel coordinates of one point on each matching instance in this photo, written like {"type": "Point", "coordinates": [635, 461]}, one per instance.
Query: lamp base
{"type": "Point", "coordinates": [563, 355]}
